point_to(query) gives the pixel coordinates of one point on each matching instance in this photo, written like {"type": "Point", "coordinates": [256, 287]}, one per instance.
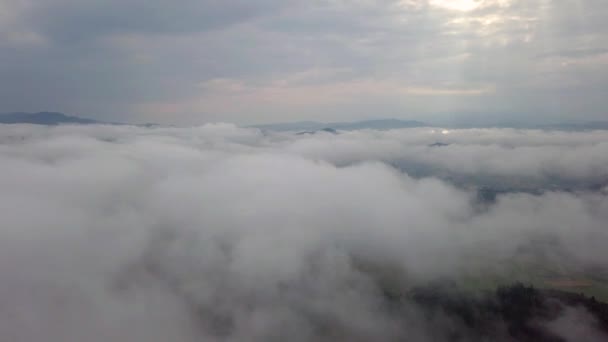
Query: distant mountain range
{"type": "Point", "coordinates": [386, 124]}
{"type": "Point", "coordinates": [44, 118]}
{"type": "Point", "coordinates": [560, 126]}
{"type": "Point", "coordinates": [305, 127]}
{"type": "Point", "coordinates": [311, 126]}
{"type": "Point", "coordinates": [577, 126]}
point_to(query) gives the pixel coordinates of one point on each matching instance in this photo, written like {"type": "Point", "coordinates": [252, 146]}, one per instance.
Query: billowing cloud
{"type": "Point", "coordinates": [533, 157]}
{"type": "Point", "coordinates": [224, 233]}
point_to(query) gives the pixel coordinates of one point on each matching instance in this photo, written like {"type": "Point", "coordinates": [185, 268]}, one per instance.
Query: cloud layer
{"type": "Point", "coordinates": [218, 232]}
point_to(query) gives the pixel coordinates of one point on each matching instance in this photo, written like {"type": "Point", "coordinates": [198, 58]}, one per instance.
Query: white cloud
{"type": "Point", "coordinates": [224, 233]}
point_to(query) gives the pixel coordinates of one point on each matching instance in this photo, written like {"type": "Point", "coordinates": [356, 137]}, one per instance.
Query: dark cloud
{"type": "Point", "coordinates": [154, 61]}
{"type": "Point", "coordinates": [66, 20]}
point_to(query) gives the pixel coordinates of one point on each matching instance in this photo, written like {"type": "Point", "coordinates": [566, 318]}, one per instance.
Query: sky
{"type": "Point", "coordinates": [249, 62]}
{"type": "Point", "coordinates": [221, 233]}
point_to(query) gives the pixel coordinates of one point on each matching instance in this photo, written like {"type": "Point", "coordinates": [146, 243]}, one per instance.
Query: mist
{"type": "Point", "coordinates": [222, 233]}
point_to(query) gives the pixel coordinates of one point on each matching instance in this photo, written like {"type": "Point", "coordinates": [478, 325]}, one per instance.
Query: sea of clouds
{"type": "Point", "coordinates": [221, 233]}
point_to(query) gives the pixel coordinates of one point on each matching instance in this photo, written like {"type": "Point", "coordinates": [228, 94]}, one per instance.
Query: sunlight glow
{"type": "Point", "coordinates": [457, 5]}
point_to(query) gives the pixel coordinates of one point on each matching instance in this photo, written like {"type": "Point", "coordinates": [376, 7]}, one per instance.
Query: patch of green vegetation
{"type": "Point", "coordinates": [543, 262]}
{"type": "Point", "coordinates": [542, 278]}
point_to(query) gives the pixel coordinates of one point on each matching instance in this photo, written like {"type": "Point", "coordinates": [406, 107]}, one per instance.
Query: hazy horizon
{"type": "Point", "coordinates": [470, 121]}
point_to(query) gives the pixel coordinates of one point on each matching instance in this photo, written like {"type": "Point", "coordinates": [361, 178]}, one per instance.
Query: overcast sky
{"type": "Point", "coordinates": [244, 61]}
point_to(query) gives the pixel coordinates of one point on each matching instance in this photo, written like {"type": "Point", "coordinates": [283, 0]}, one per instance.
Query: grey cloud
{"type": "Point", "coordinates": [576, 53]}
{"type": "Point", "coordinates": [146, 61]}
{"type": "Point", "coordinates": [577, 324]}
{"type": "Point", "coordinates": [223, 233]}
{"type": "Point", "coordinates": [77, 20]}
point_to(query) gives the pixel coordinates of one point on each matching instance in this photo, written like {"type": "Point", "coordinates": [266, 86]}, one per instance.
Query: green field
{"type": "Point", "coordinates": [542, 274]}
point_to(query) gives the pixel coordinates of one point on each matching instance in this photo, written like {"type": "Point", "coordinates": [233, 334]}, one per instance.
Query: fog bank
{"type": "Point", "coordinates": [223, 233]}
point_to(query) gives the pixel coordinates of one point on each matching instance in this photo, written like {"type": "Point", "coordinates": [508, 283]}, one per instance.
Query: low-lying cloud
{"type": "Point", "coordinates": [231, 234]}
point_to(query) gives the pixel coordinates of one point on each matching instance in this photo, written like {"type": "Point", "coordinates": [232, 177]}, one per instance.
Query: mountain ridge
{"type": "Point", "coordinates": [50, 118]}
{"type": "Point", "coordinates": [379, 124]}
{"type": "Point", "coordinates": [44, 118]}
